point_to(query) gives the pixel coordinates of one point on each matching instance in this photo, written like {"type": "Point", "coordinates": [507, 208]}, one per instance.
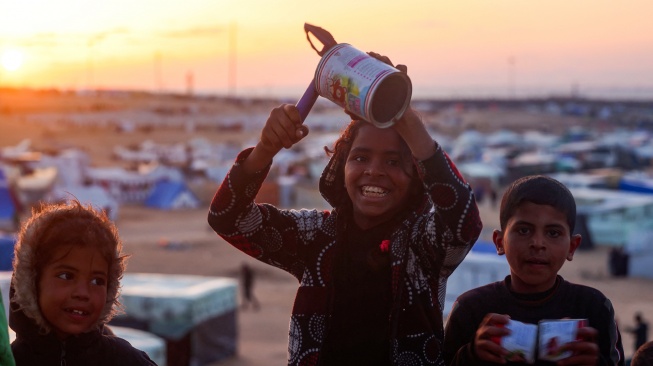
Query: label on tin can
{"type": "Point", "coordinates": [556, 333]}
{"type": "Point", "coordinates": [363, 85]}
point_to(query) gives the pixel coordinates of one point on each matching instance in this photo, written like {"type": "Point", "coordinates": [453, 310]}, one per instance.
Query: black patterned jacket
{"type": "Point", "coordinates": [425, 249]}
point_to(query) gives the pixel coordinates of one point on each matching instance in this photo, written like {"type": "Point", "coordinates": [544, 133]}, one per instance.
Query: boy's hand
{"type": "Point", "coordinates": [283, 129]}
{"type": "Point", "coordinates": [585, 350]}
{"type": "Point", "coordinates": [486, 347]}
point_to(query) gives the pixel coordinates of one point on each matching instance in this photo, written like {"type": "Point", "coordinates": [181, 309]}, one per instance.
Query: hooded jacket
{"type": "Point", "coordinates": [97, 347]}
{"type": "Point", "coordinates": [425, 248]}
{"type": "Point", "coordinates": [37, 344]}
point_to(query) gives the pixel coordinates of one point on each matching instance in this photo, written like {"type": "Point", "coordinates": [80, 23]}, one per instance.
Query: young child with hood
{"type": "Point", "coordinates": [67, 269]}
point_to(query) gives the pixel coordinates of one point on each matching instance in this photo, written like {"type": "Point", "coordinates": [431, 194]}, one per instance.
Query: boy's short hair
{"type": "Point", "coordinates": [540, 190]}
{"type": "Point", "coordinates": [55, 225]}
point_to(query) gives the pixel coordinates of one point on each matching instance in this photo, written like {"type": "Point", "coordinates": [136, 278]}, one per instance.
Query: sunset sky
{"type": "Point", "coordinates": [258, 47]}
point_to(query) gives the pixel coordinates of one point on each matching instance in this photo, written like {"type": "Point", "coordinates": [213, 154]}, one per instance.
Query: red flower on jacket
{"type": "Point", "coordinates": [384, 246]}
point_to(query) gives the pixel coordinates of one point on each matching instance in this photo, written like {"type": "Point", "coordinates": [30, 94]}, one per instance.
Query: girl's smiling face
{"type": "Point", "coordinates": [378, 174]}
{"type": "Point", "coordinates": [73, 289]}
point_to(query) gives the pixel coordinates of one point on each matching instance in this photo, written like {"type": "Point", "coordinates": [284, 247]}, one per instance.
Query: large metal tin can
{"type": "Point", "coordinates": [363, 85]}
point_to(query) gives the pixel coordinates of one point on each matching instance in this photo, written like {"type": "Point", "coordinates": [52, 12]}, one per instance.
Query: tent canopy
{"type": "Point", "coordinates": [168, 195]}
{"type": "Point", "coordinates": [8, 208]}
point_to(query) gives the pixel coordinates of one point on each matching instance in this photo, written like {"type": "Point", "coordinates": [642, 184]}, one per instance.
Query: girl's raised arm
{"type": "Point", "coordinates": [283, 129]}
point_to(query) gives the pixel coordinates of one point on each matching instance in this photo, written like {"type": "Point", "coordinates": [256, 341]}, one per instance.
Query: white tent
{"type": "Point", "coordinates": [503, 138]}
{"type": "Point", "coordinates": [477, 170]}
{"type": "Point", "coordinates": [477, 269]}
{"type": "Point", "coordinates": [639, 247]}
{"type": "Point", "coordinates": [94, 195]}
{"type": "Point", "coordinates": [71, 165]}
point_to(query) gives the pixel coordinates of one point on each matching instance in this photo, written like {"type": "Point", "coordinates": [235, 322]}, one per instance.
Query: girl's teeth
{"type": "Point", "coordinates": [374, 191]}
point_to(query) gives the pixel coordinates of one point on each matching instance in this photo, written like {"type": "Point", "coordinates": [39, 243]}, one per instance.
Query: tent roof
{"type": "Point", "coordinates": [481, 170]}
{"type": "Point", "coordinates": [165, 192]}
{"type": "Point", "coordinates": [94, 195]}
{"type": "Point", "coordinates": [7, 203]}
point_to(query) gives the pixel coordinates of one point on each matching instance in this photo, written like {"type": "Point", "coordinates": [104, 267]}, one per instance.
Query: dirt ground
{"type": "Point", "coordinates": [263, 334]}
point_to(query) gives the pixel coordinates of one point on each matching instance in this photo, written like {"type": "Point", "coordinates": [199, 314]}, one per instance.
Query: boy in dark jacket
{"type": "Point", "coordinates": [67, 269]}
{"type": "Point", "coordinates": [537, 218]}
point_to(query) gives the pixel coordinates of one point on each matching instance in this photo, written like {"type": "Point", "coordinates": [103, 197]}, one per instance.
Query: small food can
{"type": "Point", "coordinates": [363, 85]}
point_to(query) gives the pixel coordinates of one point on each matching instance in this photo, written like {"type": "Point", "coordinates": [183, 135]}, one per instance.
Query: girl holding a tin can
{"type": "Point", "coordinates": [372, 271]}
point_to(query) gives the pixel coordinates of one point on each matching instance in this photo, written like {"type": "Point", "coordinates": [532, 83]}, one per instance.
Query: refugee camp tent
{"type": "Point", "coordinates": [125, 186]}
{"type": "Point", "coordinates": [94, 195]}
{"type": "Point", "coordinates": [504, 138]}
{"type": "Point", "coordinates": [639, 248]}
{"type": "Point", "coordinates": [153, 345]}
{"type": "Point", "coordinates": [195, 315]}
{"type": "Point", "coordinates": [482, 171]}
{"type": "Point", "coordinates": [481, 266]}
{"type": "Point", "coordinates": [7, 242]}
{"type": "Point", "coordinates": [71, 165]}
{"type": "Point", "coordinates": [169, 195]}
{"type": "Point", "coordinates": [612, 215]}
{"type": "Point", "coordinates": [468, 146]}
{"type": "Point", "coordinates": [129, 186]}
{"type": "Point", "coordinates": [8, 209]}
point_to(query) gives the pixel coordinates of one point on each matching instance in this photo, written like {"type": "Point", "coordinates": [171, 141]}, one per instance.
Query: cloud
{"type": "Point", "coordinates": [41, 40]}
{"type": "Point", "coordinates": [53, 39]}
{"type": "Point", "coordinates": [194, 32]}
{"type": "Point", "coordinates": [101, 36]}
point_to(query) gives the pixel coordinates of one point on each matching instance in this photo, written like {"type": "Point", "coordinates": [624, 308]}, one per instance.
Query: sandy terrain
{"type": "Point", "coordinates": [263, 333]}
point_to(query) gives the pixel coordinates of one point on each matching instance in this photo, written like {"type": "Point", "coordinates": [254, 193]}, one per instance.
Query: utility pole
{"type": "Point", "coordinates": [232, 60]}
{"type": "Point", "coordinates": [511, 77]}
{"type": "Point", "coordinates": [157, 72]}
{"type": "Point", "coordinates": [89, 64]}
{"type": "Point", "coordinates": [190, 81]}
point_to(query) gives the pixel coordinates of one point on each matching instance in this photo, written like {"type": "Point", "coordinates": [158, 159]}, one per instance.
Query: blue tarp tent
{"type": "Point", "coordinates": [168, 195]}
{"type": "Point", "coordinates": [7, 204]}
{"type": "Point", "coordinates": [6, 251]}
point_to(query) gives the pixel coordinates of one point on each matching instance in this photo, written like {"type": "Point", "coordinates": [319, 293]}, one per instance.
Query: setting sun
{"type": "Point", "coordinates": [466, 47]}
{"type": "Point", "coordinates": [11, 59]}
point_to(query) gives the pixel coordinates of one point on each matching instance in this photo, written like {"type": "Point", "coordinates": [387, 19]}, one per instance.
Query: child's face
{"type": "Point", "coordinates": [536, 242]}
{"type": "Point", "coordinates": [376, 175]}
{"type": "Point", "coordinates": [73, 289]}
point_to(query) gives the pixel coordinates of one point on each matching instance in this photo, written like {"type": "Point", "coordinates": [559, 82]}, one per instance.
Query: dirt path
{"type": "Point", "coordinates": [263, 334]}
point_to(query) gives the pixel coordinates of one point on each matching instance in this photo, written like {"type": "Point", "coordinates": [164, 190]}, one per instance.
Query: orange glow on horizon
{"type": "Point", "coordinates": [449, 47]}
